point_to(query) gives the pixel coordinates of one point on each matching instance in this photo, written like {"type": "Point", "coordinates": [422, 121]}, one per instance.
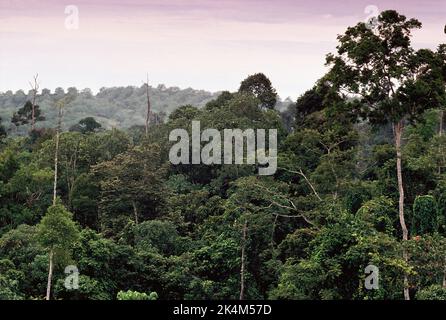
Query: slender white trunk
{"type": "Point", "coordinates": [56, 155]}
{"type": "Point", "coordinates": [398, 133]}
{"type": "Point", "coordinates": [50, 275]}
{"type": "Point", "coordinates": [35, 88]}
{"type": "Point", "coordinates": [33, 115]}
{"type": "Point", "coordinates": [135, 211]}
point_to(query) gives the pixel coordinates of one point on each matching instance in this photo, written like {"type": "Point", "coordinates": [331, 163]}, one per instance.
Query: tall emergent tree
{"type": "Point", "coordinates": [30, 112]}
{"type": "Point", "coordinates": [57, 230]}
{"type": "Point", "coordinates": [388, 81]}
{"type": "Point", "coordinates": [57, 233]}
{"type": "Point", "coordinates": [60, 106]}
{"type": "Point", "coordinates": [34, 87]}
{"type": "Point", "coordinates": [260, 86]}
{"type": "Point", "coordinates": [86, 125]}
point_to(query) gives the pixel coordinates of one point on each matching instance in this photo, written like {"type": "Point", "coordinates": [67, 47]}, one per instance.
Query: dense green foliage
{"type": "Point", "coordinates": [134, 295]}
{"type": "Point", "coordinates": [118, 107]}
{"type": "Point", "coordinates": [139, 228]}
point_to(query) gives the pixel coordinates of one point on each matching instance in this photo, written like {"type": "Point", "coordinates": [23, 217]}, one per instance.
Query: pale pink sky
{"type": "Point", "coordinates": [204, 44]}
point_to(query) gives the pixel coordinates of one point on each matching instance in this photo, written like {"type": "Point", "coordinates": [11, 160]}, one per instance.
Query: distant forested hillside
{"type": "Point", "coordinates": [117, 107]}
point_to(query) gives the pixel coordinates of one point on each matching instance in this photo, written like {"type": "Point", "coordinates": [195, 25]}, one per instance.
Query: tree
{"type": "Point", "coordinates": [2, 130]}
{"type": "Point", "coordinates": [221, 100]}
{"type": "Point", "coordinates": [433, 292]}
{"type": "Point", "coordinates": [427, 259]}
{"type": "Point", "coordinates": [30, 186]}
{"type": "Point", "coordinates": [29, 112]}
{"type": "Point", "coordinates": [57, 233]}
{"type": "Point", "coordinates": [84, 197]}
{"type": "Point", "coordinates": [104, 268]}
{"type": "Point", "coordinates": [72, 153]}
{"type": "Point", "coordinates": [260, 86]}
{"type": "Point", "coordinates": [135, 295]}
{"type": "Point", "coordinates": [9, 281]}
{"type": "Point", "coordinates": [388, 81]}
{"type": "Point", "coordinates": [86, 125]}
{"type": "Point", "coordinates": [34, 88]}
{"type": "Point", "coordinates": [60, 106]}
{"type": "Point", "coordinates": [332, 266]}
{"type": "Point", "coordinates": [89, 289]}
{"type": "Point", "coordinates": [131, 183]}
{"type": "Point", "coordinates": [310, 102]}
{"type": "Point", "coordinates": [158, 236]}
{"type": "Point", "coordinates": [425, 215]}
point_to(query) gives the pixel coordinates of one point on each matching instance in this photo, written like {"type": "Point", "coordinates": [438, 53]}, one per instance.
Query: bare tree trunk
{"type": "Point", "coordinates": [35, 88]}
{"type": "Point", "coordinates": [398, 133]}
{"type": "Point", "coordinates": [242, 269]}
{"type": "Point", "coordinates": [135, 211]}
{"type": "Point", "coordinates": [72, 175]}
{"type": "Point", "coordinates": [56, 154]}
{"type": "Point", "coordinates": [50, 275]}
{"type": "Point", "coordinates": [148, 107]}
